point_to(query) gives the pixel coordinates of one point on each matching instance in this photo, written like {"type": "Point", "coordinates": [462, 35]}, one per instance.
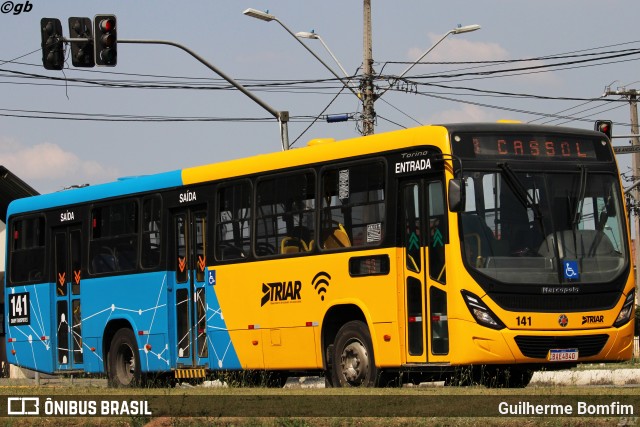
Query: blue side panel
{"type": "Point", "coordinates": [222, 355]}
{"type": "Point", "coordinates": [97, 192]}
{"type": "Point", "coordinates": [31, 344]}
{"type": "Point", "coordinates": [139, 299]}
{"type": "Point", "coordinates": [145, 301]}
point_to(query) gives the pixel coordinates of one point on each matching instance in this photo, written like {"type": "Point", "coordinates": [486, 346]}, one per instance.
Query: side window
{"type": "Point", "coordinates": [233, 221]}
{"type": "Point", "coordinates": [285, 214]}
{"type": "Point", "coordinates": [114, 238]}
{"type": "Point", "coordinates": [353, 206]}
{"type": "Point", "coordinates": [438, 234]}
{"type": "Point", "coordinates": [151, 226]}
{"type": "Point", "coordinates": [412, 226]}
{"type": "Point", "coordinates": [27, 250]}
{"type": "Point", "coordinates": [182, 272]}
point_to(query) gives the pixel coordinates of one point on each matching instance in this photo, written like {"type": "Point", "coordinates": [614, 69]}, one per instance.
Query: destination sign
{"type": "Point", "coordinates": [530, 147]}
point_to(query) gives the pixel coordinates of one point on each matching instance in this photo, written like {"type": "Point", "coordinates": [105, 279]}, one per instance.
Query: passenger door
{"type": "Point", "coordinates": [190, 260]}
{"type": "Point", "coordinates": [67, 265]}
{"type": "Point", "coordinates": [424, 235]}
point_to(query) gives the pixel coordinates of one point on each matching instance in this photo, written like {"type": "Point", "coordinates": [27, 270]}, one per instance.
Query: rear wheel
{"type": "Point", "coordinates": [123, 360]}
{"type": "Point", "coordinates": [353, 361]}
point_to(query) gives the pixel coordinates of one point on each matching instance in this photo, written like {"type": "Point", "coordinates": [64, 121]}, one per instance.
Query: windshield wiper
{"type": "Point", "coordinates": [520, 192]}
{"type": "Point", "coordinates": [582, 189]}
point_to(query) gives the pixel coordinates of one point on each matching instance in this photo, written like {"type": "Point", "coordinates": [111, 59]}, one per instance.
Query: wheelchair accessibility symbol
{"type": "Point", "coordinates": [571, 270]}
{"type": "Point", "coordinates": [211, 277]}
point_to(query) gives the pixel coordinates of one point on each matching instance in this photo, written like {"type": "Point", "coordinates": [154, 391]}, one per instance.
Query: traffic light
{"type": "Point", "coordinates": [81, 52]}
{"type": "Point", "coordinates": [604, 126]}
{"type": "Point", "coordinates": [52, 47]}
{"type": "Point", "coordinates": [105, 40]}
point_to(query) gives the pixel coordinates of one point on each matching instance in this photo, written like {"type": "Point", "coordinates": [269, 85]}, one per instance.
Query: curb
{"type": "Point", "coordinates": [618, 377]}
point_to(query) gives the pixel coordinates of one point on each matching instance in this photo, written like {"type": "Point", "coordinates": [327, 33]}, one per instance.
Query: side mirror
{"type": "Point", "coordinates": [456, 195]}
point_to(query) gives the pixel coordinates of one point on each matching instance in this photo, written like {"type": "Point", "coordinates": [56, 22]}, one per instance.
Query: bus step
{"type": "Point", "coordinates": [190, 373]}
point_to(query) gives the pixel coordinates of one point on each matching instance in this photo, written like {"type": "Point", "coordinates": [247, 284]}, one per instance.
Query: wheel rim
{"type": "Point", "coordinates": [126, 364]}
{"type": "Point", "coordinates": [355, 362]}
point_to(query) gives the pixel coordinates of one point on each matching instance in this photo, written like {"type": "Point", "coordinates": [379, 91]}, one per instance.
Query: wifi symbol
{"type": "Point", "coordinates": [320, 283]}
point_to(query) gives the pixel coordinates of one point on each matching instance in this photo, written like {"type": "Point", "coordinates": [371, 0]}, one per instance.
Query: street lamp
{"type": "Point", "coordinates": [315, 36]}
{"type": "Point", "coordinates": [457, 30]}
{"type": "Point", "coordinates": [267, 17]}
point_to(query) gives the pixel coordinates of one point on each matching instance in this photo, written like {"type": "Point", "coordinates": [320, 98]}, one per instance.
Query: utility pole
{"type": "Point", "coordinates": [632, 95]}
{"type": "Point", "coordinates": [366, 85]}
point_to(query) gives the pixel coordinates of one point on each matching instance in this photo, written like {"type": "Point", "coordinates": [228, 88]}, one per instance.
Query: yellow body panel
{"type": "Point", "coordinates": [434, 135]}
{"type": "Point", "coordinates": [274, 313]}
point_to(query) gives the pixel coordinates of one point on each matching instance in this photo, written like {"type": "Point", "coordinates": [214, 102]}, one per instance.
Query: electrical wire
{"type": "Point", "coordinates": [317, 117]}
{"type": "Point", "coordinates": [321, 86]}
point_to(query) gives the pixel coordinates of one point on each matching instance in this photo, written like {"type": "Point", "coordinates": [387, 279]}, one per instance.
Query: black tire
{"type": "Point", "coordinates": [353, 364]}
{"type": "Point", "coordinates": [123, 360]}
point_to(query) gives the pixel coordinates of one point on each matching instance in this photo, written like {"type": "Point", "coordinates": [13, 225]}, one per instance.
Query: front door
{"type": "Point", "coordinates": [190, 257]}
{"type": "Point", "coordinates": [67, 264]}
{"type": "Point", "coordinates": [424, 231]}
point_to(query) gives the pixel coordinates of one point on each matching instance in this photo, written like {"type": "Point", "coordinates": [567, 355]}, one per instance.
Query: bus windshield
{"type": "Point", "coordinates": [527, 227]}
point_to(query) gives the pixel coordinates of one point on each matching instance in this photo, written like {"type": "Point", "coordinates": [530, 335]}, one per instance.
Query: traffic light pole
{"type": "Point", "coordinates": [281, 116]}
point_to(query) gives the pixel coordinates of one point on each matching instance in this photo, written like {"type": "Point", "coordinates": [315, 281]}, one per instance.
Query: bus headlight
{"type": "Point", "coordinates": [627, 309]}
{"type": "Point", "coordinates": [481, 312]}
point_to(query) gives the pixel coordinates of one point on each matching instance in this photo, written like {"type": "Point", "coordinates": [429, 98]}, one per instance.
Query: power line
{"type": "Point", "coordinates": [314, 86]}
{"type": "Point", "coordinates": [57, 115]}
{"type": "Point", "coordinates": [252, 83]}
{"type": "Point", "coordinates": [529, 68]}
{"type": "Point", "coordinates": [510, 109]}
{"type": "Point", "coordinates": [316, 119]}
{"type": "Point", "coordinates": [513, 94]}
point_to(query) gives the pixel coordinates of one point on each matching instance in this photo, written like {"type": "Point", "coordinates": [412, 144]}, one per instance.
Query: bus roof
{"type": "Point", "coordinates": [228, 169]}
{"type": "Point", "coordinates": [316, 154]}
{"type": "Point", "coordinates": [97, 192]}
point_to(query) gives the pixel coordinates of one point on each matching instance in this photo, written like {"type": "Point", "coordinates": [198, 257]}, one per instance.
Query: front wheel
{"type": "Point", "coordinates": [353, 361]}
{"type": "Point", "coordinates": [123, 360]}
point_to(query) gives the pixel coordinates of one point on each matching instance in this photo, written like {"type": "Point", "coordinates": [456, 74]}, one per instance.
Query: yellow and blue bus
{"type": "Point", "coordinates": [488, 249]}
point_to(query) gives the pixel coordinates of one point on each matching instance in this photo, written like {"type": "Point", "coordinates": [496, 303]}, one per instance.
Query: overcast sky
{"type": "Point", "coordinates": [594, 44]}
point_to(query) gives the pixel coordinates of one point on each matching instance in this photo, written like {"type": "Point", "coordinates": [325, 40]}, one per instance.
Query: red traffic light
{"type": "Point", "coordinates": [108, 24]}
{"type": "Point", "coordinates": [105, 40]}
{"type": "Point", "coordinates": [604, 126]}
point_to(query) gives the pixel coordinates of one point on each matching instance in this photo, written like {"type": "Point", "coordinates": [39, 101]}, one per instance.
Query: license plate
{"type": "Point", "coordinates": [562, 355]}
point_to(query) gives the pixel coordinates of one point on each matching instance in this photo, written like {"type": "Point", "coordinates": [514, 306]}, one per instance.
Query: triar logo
{"type": "Point", "coordinates": [592, 319]}
{"type": "Point", "coordinates": [281, 292]}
